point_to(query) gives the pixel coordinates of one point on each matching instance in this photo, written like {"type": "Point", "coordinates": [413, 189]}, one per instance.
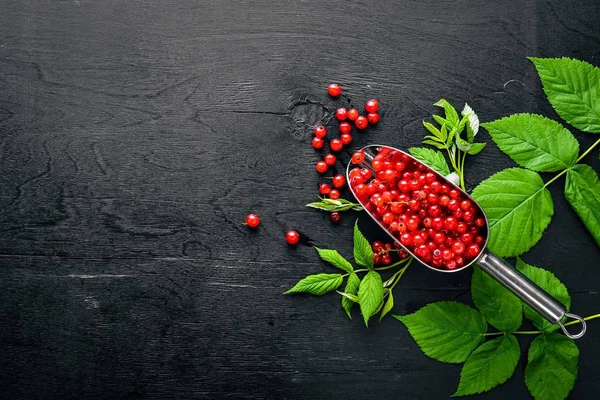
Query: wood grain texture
{"type": "Point", "coordinates": [135, 136]}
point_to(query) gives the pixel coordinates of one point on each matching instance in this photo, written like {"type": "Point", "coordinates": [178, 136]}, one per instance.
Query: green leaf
{"type": "Point", "coordinates": [370, 294]}
{"type": "Point", "coordinates": [446, 331]}
{"type": "Point", "coordinates": [534, 141]}
{"type": "Point", "coordinates": [352, 297]}
{"type": "Point", "coordinates": [473, 125]}
{"type": "Point", "coordinates": [451, 114]}
{"type": "Point", "coordinates": [389, 304]}
{"type": "Point", "coordinates": [351, 288]}
{"type": "Point", "coordinates": [500, 307]}
{"type": "Point", "coordinates": [334, 258]}
{"type": "Point", "coordinates": [476, 148]}
{"type": "Point", "coordinates": [440, 120]}
{"type": "Point", "coordinates": [582, 190]}
{"type": "Point", "coordinates": [462, 145]}
{"type": "Point", "coordinates": [331, 205]}
{"type": "Point", "coordinates": [317, 284]}
{"type": "Point", "coordinates": [435, 159]}
{"type": "Point", "coordinates": [435, 131]}
{"type": "Point", "coordinates": [573, 89]}
{"type": "Point", "coordinates": [552, 367]}
{"type": "Point", "coordinates": [363, 253]}
{"type": "Point", "coordinates": [490, 365]}
{"type": "Point", "coordinates": [437, 145]}
{"type": "Point", "coordinates": [550, 283]}
{"type": "Point", "coordinates": [518, 207]}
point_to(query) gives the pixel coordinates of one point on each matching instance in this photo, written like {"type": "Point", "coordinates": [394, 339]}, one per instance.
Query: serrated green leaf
{"type": "Point", "coordinates": [451, 114]}
{"type": "Point", "coordinates": [490, 365]}
{"type": "Point", "coordinates": [550, 283]}
{"type": "Point", "coordinates": [352, 286]}
{"type": "Point", "coordinates": [534, 142]}
{"type": "Point", "coordinates": [582, 190]}
{"type": "Point", "coordinates": [317, 284]}
{"type": "Point", "coordinates": [387, 307]}
{"type": "Point", "coordinates": [435, 144]}
{"type": "Point", "coordinates": [446, 331]}
{"type": "Point", "coordinates": [434, 131]}
{"type": "Point", "coordinates": [462, 145]}
{"type": "Point", "coordinates": [331, 205]}
{"type": "Point", "coordinates": [476, 148]}
{"type": "Point", "coordinates": [573, 90]}
{"type": "Point", "coordinates": [473, 125]}
{"type": "Point", "coordinates": [551, 367]}
{"type": "Point", "coordinates": [518, 207]}
{"type": "Point", "coordinates": [352, 297]}
{"type": "Point", "coordinates": [370, 294]}
{"type": "Point", "coordinates": [439, 119]}
{"type": "Point", "coordinates": [334, 258]}
{"type": "Point", "coordinates": [363, 253]}
{"type": "Point", "coordinates": [500, 307]}
{"type": "Point", "coordinates": [432, 158]}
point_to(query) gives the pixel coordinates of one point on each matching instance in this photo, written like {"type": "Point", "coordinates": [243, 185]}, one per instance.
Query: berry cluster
{"type": "Point", "coordinates": [428, 215]}
{"type": "Point", "coordinates": [345, 117]}
{"type": "Point", "coordinates": [382, 252]}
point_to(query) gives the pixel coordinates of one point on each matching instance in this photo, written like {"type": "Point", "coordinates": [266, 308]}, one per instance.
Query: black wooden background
{"type": "Point", "coordinates": [136, 135]}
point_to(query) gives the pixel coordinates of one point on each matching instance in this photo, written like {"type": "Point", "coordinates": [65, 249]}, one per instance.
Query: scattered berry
{"type": "Point", "coordinates": [352, 114]}
{"type": "Point", "coordinates": [346, 138]}
{"type": "Point", "coordinates": [321, 167]}
{"type": "Point", "coordinates": [330, 159]}
{"type": "Point", "coordinates": [358, 157]}
{"type": "Point", "coordinates": [334, 194]}
{"type": "Point", "coordinates": [320, 131]}
{"type": "Point", "coordinates": [336, 145]}
{"type": "Point", "coordinates": [292, 237]}
{"type": "Point", "coordinates": [317, 143]}
{"type": "Point", "coordinates": [361, 122]}
{"type": "Point", "coordinates": [345, 127]}
{"type": "Point", "coordinates": [341, 114]}
{"type": "Point", "coordinates": [372, 106]}
{"type": "Point", "coordinates": [373, 118]}
{"type": "Point", "coordinates": [339, 181]}
{"type": "Point", "coordinates": [335, 217]}
{"type": "Point", "coordinates": [324, 189]}
{"type": "Point", "coordinates": [334, 90]}
{"type": "Point", "coordinates": [252, 220]}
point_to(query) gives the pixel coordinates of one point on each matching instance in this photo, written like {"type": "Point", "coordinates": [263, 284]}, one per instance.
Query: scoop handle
{"type": "Point", "coordinates": [529, 292]}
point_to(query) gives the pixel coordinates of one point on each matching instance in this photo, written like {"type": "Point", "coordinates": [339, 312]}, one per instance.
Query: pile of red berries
{"type": "Point", "coordinates": [428, 215]}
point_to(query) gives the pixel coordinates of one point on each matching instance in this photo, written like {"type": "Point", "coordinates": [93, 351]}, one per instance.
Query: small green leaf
{"type": "Point", "coordinates": [352, 297]}
{"type": "Point", "coordinates": [476, 148]}
{"type": "Point", "coordinates": [432, 158]}
{"type": "Point", "coordinates": [363, 253]}
{"type": "Point", "coordinates": [550, 283]}
{"type": "Point", "coordinates": [462, 145]}
{"type": "Point", "coordinates": [582, 190]}
{"type": "Point", "coordinates": [331, 205]}
{"type": "Point", "coordinates": [518, 207]}
{"type": "Point", "coordinates": [490, 365]}
{"type": "Point", "coordinates": [389, 304]}
{"type": "Point", "coordinates": [473, 125]}
{"type": "Point", "coordinates": [451, 114]}
{"type": "Point", "coordinates": [351, 288]}
{"type": "Point", "coordinates": [500, 307]}
{"type": "Point", "coordinates": [370, 294]}
{"type": "Point", "coordinates": [446, 331]}
{"type": "Point", "coordinates": [440, 120]}
{"type": "Point", "coordinates": [551, 367]}
{"type": "Point", "coordinates": [573, 89]}
{"type": "Point", "coordinates": [317, 284]}
{"type": "Point", "coordinates": [434, 131]}
{"type": "Point", "coordinates": [334, 258]}
{"type": "Point", "coordinates": [437, 145]}
{"type": "Point", "coordinates": [534, 142]}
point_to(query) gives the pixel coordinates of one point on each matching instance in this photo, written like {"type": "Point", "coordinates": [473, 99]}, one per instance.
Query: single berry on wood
{"type": "Point", "coordinates": [324, 189]}
{"type": "Point", "coordinates": [372, 106]}
{"type": "Point", "coordinates": [346, 138]}
{"type": "Point", "coordinates": [338, 181]}
{"type": "Point", "coordinates": [252, 220]}
{"type": "Point", "coordinates": [334, 194]}
{"type": "Point", "coordinates": [336, 145]}
{"type": "Point", "coordinates": [335, 217]}
{"type": "Point", "coordinates": [334, 90]}
{"type": "Point", "coordinates": [361, 122]}
{"type": "Point", "coordinates": [352, 114]}
{"type": "Point", "coordinates": [330, 159]}
{"type": "Point", "coordinates": [317, 143]}
{"type": "Point", "coordinates": [292, 237]}
{"type": "Point", "coordinates": [320, 131]}
{"type": "Point", "coordinates": [373, 118]}
{"type": "Point", "coordinates": [341, 114]}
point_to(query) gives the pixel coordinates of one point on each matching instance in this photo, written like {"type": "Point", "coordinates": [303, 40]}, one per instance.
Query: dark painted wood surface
{"type": "Point", "coordinates": [135, 136]}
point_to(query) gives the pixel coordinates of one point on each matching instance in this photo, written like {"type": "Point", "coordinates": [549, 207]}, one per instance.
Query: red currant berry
{"type": "Point", "coordinates": [479, 222]}
{"type": "Point", "coordinates": [402, 254]}
{"type": "Point", "coordinates": [439, 238]}
{"type": "Point", "coordinates": [372, 106]}
{"type": "Point", "coordinates": [321, 167]}
{"type": "Point", "coordinates": [361, 122]}
{"type": "Point", "coordinates": [324, 189]}
{"type": "Point", "coordinates": [461, 227]}
{"type": "Point", "coordinates": [365, 173]}
{"type": "Point", "coordinates": [444, 200]}
{"type": "Point", "coordinates": [450, 264]}
{"type": "Point", "coordinates": [330, 159]}
{"type": "Point", "coordinates": [346, 138]}
{"type": "Point", "coordinates": [458, 247]}
{"type": "Point", "coordinates": [373, 118]}
{"type": "Point", "coordinates": [338, 181]}
{"type": "Point", "coordinates": [361, 190]}
{"type": "Point", "coordinates": [334, 194]}
{"type": "Point", "coordinates": [412, 224]}
{"type": "Point", "coordinates": [386, 259]}
{"type": "Point", "coordinates": [437, 223]}
{"type": "Point", "coordinates": [376, 259]}
{"type": "Point", "coordinates": [450, 223]}
{"type": "Point", "coordinates": [406, 239]}
{"type": "Point", "coordinates": [341, 113]}
{"type": "Point", "coordinates": [335, 217]}
{"type": "Point", "coordinates": [334, 90]}
{"type": "Point", "coordinates": [320, 131]}
{"type": "Point", "coordinates": [465, 205]}
{"type": "Point", "coordinates": [460, 261]}
{"type": "Point", "coordinates": [452, 205]}
{"type": "Point", "coordinates": [345, 127]}
{"type": "Point", "coordinates": [479, 240]}
{"type": "Point", "coordinates": [418, 239]}
{"type": "Point", "coordinates": [352, 114]}
{"type": "Point", "coordinates": [454, 194]}
{"type": "Point", "coordinates": [466, 237]}
{"type": "Point", "coordinates": [473, 250]}
{"type": "Point", "coordinates": [336, 145]}
{"type": "Point", "coordinates": [358, 157]}
{"type": "Point", "coordinates": [292, 237]}
{"type": "Point", "coordinates": [387, 218]}
{"type": "Point", "coordinates": [435, 211]}
{"type": "Point", "coordinates": [468, 215]}
{"type": "Point", "coordinates": [252, 220]}
{"type": "Point", "coordinates": [317, 143]}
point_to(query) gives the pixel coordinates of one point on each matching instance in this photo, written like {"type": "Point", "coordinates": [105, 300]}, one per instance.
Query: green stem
{"type": "Point", "coordinates": [400, 273]}
{"type": "Point", "coordinates": [564, 171]}
{"type": "Point", "coordinates": [585, 319]}
{"type": "Point", "coordinates": [538, 332]}
{"type": "Point", "coordinates": [462, 171]}
{"type": "Point", "coordinates": [588, 150]}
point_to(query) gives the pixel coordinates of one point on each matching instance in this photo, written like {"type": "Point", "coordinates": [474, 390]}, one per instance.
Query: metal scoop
{"type": "Point", "coordinates": [509, 277]}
